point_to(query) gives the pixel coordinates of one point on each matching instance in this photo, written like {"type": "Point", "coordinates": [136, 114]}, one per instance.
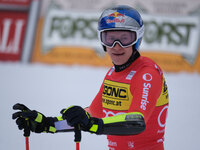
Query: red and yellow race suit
{"type": "Point", "coordinates": [141, 87]}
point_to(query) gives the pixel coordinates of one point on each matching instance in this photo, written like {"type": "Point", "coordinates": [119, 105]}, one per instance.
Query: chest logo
{"type": "Point", "coordinates": [116, 96]}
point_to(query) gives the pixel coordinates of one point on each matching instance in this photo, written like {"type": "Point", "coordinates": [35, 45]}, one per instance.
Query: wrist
{"type": "Point", "coordinates": [95, 125]}
{"type": "Point", "coordinates": [49, 125]}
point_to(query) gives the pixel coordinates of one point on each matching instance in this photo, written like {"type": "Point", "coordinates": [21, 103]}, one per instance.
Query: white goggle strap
{"type": "Point", "coordinates": [140, 32]}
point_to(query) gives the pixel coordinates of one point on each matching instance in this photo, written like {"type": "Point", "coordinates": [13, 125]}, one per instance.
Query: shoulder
{"type": "Point", "coordinates": [146, 69]}
{"type": "Point", "coordinates": [145, 61]}
{"type": "Point", "coordinates": [110, 71]}
{"type": "Point", "coordinates": [146, 64]}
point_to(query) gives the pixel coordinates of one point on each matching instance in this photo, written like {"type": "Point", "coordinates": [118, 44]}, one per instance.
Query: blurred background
{"type": "Point", "coordinates": [50, 58]}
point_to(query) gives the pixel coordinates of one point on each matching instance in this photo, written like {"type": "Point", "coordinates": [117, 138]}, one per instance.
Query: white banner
{"type": "Point", "coordinates": [67, 28]}
{"type": "Point", "coordinates": [179, 35]}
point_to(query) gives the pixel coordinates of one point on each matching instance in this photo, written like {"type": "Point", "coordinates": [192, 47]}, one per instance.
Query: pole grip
{"type": "Point", "coordinates": [77, 136]}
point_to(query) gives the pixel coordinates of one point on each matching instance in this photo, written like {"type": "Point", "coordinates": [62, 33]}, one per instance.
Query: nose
{"type": "Point", "coordinates": [117, 46]}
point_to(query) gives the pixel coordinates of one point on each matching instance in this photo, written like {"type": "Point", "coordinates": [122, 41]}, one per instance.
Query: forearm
{"type": "Point", "coordinates": [124, 124]}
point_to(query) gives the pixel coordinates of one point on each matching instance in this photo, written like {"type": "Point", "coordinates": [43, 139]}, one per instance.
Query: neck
{"type": "Point", "coordinates": [132, 58]}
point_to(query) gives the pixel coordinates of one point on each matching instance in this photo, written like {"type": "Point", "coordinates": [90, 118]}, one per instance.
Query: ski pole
{"type": "Point", "coordinates": [27, 134]}
{"type": "Point", "coordinates": [27, 142]}
{"type": "Point", "coordinates": [77, 136]}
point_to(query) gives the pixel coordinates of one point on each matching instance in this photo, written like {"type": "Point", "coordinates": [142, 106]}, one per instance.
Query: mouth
{"type": "Point", "coordinates": [118, 54]}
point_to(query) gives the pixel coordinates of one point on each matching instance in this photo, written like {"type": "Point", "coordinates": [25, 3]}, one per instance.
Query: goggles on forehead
{"type": "Point", "coordinates": [124, 38]}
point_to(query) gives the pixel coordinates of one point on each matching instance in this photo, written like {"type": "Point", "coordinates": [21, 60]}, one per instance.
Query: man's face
{"type": "Point", "coordinates": [119, 55]}
{"type": "Point", "coordinates": [118, 44]}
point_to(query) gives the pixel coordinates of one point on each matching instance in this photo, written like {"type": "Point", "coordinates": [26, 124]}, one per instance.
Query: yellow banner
{"type": "Point", "coordinates": [173, 62]}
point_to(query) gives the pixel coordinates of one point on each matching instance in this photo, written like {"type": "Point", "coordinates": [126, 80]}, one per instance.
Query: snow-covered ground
{"type": "Point", "coordinates": [48, 89]}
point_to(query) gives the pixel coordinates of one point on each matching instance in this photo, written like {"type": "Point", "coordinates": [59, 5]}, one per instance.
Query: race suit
{"type": "Point", "coordinates": [140, 87]}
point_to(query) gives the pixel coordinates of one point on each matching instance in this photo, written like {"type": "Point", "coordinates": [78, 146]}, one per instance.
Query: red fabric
{"type": "Point", "coordinates": [146, 82]}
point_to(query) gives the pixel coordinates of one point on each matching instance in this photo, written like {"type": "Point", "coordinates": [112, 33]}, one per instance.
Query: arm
{"type": "Point", "coordinates": [145, 88]}
{"type": "Point", "coordinates": [124, 124]}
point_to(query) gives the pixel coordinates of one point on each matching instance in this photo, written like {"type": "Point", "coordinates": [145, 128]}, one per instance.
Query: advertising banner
{"type": "Point", "coordinates": [15, 2]}
{"type": "Point", "coordinates": [12, 30]}
{"type": "Point", "coordinates": [13, 20]}
{"type": "Point", "coordinates": [173, 42]}
{"type": "Point", "coordinates": [70, 37]}
{"type": "Point", "coordinates": [18, 20]}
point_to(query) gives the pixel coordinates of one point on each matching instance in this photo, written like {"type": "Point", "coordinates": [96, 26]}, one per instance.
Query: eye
{"type": "Point", "coordinates": [124, 38]}
{"type": "Point", "coordinates": [110, 38]}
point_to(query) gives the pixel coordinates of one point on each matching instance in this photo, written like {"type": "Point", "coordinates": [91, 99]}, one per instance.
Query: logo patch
{"type": "Point", "coordinates": [164, 97]}
{"type": "Point", "coordinates": [116, 96]}
{"type": "Point", "coordinates": [147, 77]}
{"type": "Point", "coordinates": [115, 17]}
{"type": "Point", "coordinates": [145, 94]}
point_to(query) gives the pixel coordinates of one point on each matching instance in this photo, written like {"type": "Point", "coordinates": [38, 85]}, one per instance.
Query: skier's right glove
{"type": "Point", "coordinates": [31, 120]}
{"type": "Point", "coordinates": [76, 115]}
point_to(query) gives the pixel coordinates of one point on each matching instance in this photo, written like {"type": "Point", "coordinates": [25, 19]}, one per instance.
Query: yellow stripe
{"type": "Point", "coordinates": [67, 109]}
{"type": "Point", "coordinates": [88, 115]}
{"type": "Point", "coordinates": [39, 118]}
{"type": "Point", "coordinates": [52, 129]}
{"type": "Point", "coordinates": [119, 118]}
{"type": "Point", "coordinates": [94, 128]}
{"type": "Point", "coordinates": [59, 118]}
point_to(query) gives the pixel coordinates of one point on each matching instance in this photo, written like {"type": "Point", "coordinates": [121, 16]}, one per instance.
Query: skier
{"type": "Point", "coordinates": [131, 105]}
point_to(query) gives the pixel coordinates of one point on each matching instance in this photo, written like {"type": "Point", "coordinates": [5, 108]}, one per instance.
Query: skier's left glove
{"type": "Point", "coordinates": [76, 115]}
{"type": "Point", "coordinates": [31, 120]}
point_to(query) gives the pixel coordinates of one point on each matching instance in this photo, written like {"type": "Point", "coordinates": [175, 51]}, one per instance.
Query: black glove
{"type": "Point", "coordinates": [76, 115]}
{"type": "Point", "coordinates": [31, 120]}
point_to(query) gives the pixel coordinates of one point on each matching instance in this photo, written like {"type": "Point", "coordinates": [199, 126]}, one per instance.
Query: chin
{"type": "Point", "coordinates": [118, 63]}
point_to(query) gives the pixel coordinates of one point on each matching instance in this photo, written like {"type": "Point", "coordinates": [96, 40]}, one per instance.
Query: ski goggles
{"type": "Point", "coordinates": [124, 38]}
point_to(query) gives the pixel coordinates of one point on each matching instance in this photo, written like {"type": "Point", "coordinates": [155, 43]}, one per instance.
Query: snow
{"type": "Point", "coordinates": [49, 89]}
